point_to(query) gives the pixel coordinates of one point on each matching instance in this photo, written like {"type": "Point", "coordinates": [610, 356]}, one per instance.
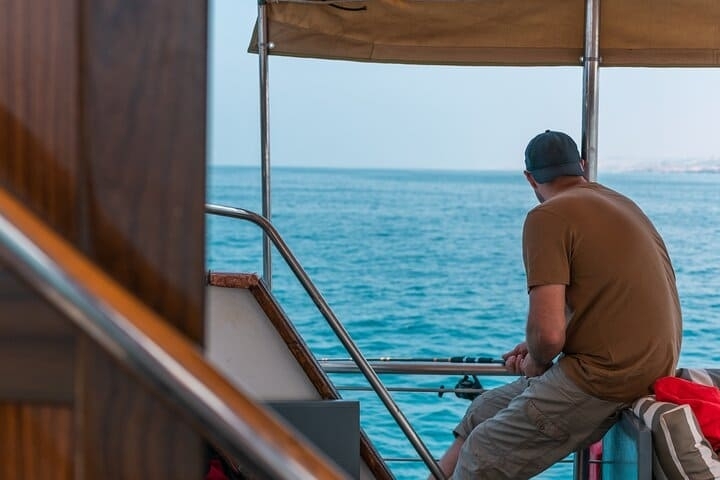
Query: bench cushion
{"type": "Point", "coordinates": [704, 400]}
{"type": "Point", "coordinates": [709, 377]}
{"type": "Point", "coordinates": [681, 450]}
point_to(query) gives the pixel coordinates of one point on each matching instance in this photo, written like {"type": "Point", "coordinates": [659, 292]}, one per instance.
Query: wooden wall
{"type": "Point", "coordinates": [102, 134]}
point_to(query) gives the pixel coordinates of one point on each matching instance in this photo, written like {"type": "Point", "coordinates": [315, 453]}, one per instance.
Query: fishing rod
{"type": "Point", "coordinates": [468, 388]}
{"type": "Point", "coordinates": [463, 359]}
{"type": "Point", "coordinates": [439, 390]}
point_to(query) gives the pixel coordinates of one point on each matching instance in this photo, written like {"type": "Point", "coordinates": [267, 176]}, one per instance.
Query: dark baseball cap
{"type": "Point", "coordinates": [552, 154]}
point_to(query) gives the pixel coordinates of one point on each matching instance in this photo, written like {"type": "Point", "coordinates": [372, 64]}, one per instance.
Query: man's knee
{"type": "Point", "coordinates": [487, 406]}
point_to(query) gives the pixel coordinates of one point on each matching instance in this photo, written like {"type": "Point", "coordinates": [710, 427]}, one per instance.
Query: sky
{"type": "Point", "coordinates": [357, 115]}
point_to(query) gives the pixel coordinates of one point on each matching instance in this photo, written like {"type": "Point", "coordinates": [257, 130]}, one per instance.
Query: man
{"type": "Point", "coordinates": [603, 324]}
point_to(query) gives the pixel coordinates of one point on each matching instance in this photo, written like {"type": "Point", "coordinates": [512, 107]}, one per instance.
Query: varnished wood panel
{"type": "Point", "coordinates": [32, 316]}
{"type": "Point", "coordinates": [143, 88]}
{"type": "Point", "coordinates": [24, 313]}
{"type": "Point", "coordinates": [102, 134]}
{"type": "Point", "coordinates": [129, 434]}
{"type": "Point", "coordinates": [38, 163]}
{"type": "Point", "coordinates": [39, 107]}
{"type": "Point", "coordinates": [36, 442]}
{"type": "Point", "coordinates": [36, 370]}
{"type": "Point", "coordinates": [144, 118]}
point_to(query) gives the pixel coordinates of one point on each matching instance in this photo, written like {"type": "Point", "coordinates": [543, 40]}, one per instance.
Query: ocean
{"type": "Point", "coordinates": [428, 264]}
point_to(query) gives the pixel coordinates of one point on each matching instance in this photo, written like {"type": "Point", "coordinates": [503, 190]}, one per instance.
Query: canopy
{"type": "Point", "coordinates": [658, 33]}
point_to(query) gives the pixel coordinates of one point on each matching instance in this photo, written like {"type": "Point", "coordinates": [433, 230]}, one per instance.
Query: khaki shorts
{"type": "Point", "coordinates": [520, 429]}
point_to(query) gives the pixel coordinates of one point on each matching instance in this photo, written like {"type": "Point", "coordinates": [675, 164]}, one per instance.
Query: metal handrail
{"type": "Point", "coordinates": [430, 368]}
{"type": "Point", "coordinates": [336, 326]}
{"type": "Point", "coordinates": [152, 349]}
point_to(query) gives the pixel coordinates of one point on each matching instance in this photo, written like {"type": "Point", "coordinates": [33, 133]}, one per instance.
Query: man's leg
{"type": "Point", "coordinates": [483, 407]}
{"type": "Point", "coordinates": [542, 425]}
{"type": "Point", "coordinates": [450, 457]}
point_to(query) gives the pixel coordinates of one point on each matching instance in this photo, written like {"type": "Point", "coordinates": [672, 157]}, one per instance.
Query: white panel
{"type": "Point", "coordinates": [243, 344]}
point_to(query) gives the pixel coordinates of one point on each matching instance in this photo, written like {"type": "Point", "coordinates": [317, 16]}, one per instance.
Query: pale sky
{"type": "Point", "coordinates": [358, 115]}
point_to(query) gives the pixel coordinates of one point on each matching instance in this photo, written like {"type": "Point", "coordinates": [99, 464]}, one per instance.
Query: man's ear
{"type": "Point", "coordinates": [583, 163]}
{"type": "Point", "coordinates": [530, 179]}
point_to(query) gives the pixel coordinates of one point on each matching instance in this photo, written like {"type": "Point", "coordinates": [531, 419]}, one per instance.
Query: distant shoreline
{"type": "Point", "coordinates": [608, 169]}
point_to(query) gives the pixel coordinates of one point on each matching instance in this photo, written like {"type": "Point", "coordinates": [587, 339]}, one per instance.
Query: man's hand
{"type": "Point", "coordinates": [515, 358]}
{"type": "Point", "coordinates": [518, 360]}
{"type": "Point", "coordinates": [531, 368]}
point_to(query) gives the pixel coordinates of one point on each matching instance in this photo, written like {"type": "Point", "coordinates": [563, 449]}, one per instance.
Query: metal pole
{"type": "Point", "coordinates": [581, 464]}
{"type": "Point", "coordinates": [591, 63]}
{"type": "Point", "coordinates": [263, 48]}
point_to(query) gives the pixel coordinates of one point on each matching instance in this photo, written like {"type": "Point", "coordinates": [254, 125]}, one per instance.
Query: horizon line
{"type": "Point", "coordinates": [605, 169]}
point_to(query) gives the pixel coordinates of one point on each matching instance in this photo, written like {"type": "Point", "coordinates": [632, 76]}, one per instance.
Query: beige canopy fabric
{"type": "Point", "coordinates": [659, 33]}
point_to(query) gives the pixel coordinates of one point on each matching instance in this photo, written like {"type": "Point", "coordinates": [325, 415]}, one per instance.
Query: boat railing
{"type": "Point", "coordinates": [630, 438]}
{"type": "Point", "coordinates": [336, 325]}
{"type": "Point", "coordinates": [152, 349]}
{"type": "Point", "coordinates": [431, 367]}
{"type": "Point", "coordinates": [467, 367]}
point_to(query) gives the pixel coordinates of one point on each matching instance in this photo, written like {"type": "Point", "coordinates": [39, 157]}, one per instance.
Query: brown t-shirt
{"type": "Point", "coordinates": [624, 324]}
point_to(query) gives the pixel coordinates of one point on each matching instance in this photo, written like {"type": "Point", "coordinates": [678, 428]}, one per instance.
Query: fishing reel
{"type": "Point", "coordinates": [466, 383]}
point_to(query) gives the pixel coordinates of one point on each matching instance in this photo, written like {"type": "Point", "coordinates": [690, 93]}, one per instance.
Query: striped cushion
{"type": "Point", "coordinates": [681, 450]}
{"type": "Point", "coordinates": [702, 376]}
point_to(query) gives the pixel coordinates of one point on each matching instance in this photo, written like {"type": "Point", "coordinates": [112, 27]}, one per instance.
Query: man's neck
{"type": "Point", "coordinates": [562, 184]}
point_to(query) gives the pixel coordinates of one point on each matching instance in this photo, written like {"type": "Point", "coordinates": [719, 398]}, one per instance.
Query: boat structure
{"type": "Point", "coordinates": [122, 356]}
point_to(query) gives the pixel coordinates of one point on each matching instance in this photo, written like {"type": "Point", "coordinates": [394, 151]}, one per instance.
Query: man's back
{"type": "Point", "coordinates": [624, 321]}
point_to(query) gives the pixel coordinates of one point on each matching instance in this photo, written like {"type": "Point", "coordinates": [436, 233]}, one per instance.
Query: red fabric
{"type": "Point", "coordinates": [596, 450]}
{"type": "Point", "coordinates": [216, 471]}
{"type": "Point", "coordinates": [703, 400]}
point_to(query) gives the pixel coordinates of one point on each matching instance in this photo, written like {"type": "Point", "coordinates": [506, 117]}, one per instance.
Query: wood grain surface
{"type": "Point", "coordinates": [102, 135]}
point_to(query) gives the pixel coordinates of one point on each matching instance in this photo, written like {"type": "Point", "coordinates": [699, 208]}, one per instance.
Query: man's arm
{"type": "Point", "coordinates": [545, 330]}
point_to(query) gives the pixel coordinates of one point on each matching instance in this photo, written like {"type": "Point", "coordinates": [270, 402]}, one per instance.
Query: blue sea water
{"type": "Point", "coordinates": [428, 264]}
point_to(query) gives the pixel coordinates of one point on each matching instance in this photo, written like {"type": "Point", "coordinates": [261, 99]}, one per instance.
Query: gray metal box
{"type": "Point", "coordinates": [332, 425]}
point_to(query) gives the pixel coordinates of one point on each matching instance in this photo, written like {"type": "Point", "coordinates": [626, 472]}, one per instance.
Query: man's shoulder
{"type": "Point", "coordinates": [546, 216]}
{"type": "Point", "coordinates": [584, 193]}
